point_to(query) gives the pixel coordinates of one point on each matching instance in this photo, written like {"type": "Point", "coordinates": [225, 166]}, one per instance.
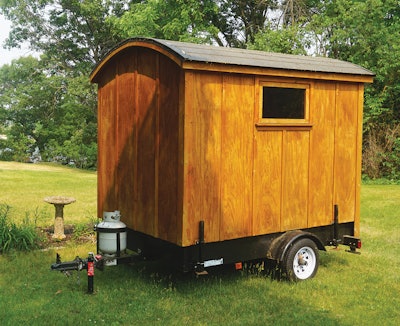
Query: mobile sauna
{"type": "Point", "coordinates": [218, 156]}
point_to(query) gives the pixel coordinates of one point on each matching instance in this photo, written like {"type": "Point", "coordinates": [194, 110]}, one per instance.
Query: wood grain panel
{"type": "Point", "coordinates": [295, 180]}
{"type": "Point", "coordinates": [322, 117]}
{"type": "Point", "coordinates": [182, 163]}
{"type": "Point", "coordinates": [236, 158]}
{"type": "Point", "coordinates": [267, 182]}
{"type": "Point", "coordinates": [167, 137]}
{"type": "Point", "coordinates": [146, 96]}
{"type": "Point", "coordinates": [126, 137]}
{"type": "Point", "coordinates": [346, 150]}
{"type": "Point", "coordinates": [106, 137]}
{"type": "Point", "coordinates": [359, 159]}
{"type": "Point", "coordinates": [203, 156]}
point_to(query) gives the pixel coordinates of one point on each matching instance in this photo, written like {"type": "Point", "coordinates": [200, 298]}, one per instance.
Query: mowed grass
{"type": "Point", "coordinates": [24, 186]}
{"type": "Point", "coordinates": [348, 289]}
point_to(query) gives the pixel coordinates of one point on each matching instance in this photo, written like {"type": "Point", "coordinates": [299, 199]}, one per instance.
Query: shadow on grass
{"type": "Point", "coordinates": [154, 290]}
{"type": "Point", "coordinates": [223, 296]}
{"type": "Point", "coordinates": [151, 292]}
{"type": "Point", "coordinates": [165, 273]}
{"type": "Point", "coordinates": [332, 257]}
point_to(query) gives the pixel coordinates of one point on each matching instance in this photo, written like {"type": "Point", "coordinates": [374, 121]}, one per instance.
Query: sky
{"type": "Point", "coordinates": [6, 56]}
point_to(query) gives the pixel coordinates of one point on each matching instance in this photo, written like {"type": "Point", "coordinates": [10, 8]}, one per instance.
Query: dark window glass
{"type": "Point", "coordinates": [283, 103]}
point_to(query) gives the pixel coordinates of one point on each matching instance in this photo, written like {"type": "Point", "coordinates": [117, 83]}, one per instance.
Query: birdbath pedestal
{"type": "Point", "coordinates": [59, 202]}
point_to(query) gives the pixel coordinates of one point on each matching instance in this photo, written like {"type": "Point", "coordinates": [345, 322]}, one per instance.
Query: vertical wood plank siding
{"type": "Point", "coordinates": [168, 157]}
{"type": "Point", "coordinates": [322, 151]}
{"type": "Point", "coordinates": [267, 182]}
{"type": "Point", "coordinates": [106, 135]}
{"type": "Point", "coordinates": [125, 133]}
{"type": "Point", "coordinates": [346, 150]}
{"type": "Point", "coordinates": [202, 155]}
{"type": "Point", "coordinates": [138, 142]}
{"type": "Point", "coordinates": [237, 112]}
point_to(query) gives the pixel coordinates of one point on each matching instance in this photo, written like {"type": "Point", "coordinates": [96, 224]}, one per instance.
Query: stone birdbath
{"type": "Point", "coordinates": [59, 202]}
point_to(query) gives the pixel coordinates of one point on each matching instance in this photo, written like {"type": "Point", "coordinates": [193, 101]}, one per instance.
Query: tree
{"type": "Point", "coordinates": [184, 20]}
{"type": "Point", "coordinates": [44, 110]}
{"type": "Point", "coordinates": [54, 107]}
{"type": "Point", "coordinates": [367, 33]}
{"type": "Point", "coordinates": [286, 40]}
{"type": "Point", "coordinates": [284, 29]}
{"type": "Point", "coordinates": [75, 33]}
{"type": "Point", "coordinates": [238, 21]}
{"type": "Point", "coordinates": [295, 12]}
{"type": "Point", "coordinates": [25, 97]}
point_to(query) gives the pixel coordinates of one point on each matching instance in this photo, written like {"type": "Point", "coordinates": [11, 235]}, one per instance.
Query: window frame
{"type": "Point", "coordinates": [284, 122]}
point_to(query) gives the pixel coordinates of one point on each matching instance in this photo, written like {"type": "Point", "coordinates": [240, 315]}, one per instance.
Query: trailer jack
{"type": "Point", "coordinates": [199, 267]}
{"type": "Point", "coordinates": [90, 263]}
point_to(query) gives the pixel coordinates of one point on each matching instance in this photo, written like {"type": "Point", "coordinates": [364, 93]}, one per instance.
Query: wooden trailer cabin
{"type": "Point", "coordinates": [218, 155]}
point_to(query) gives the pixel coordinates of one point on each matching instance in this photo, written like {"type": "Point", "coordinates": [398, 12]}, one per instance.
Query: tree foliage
{"type": "Point", "coordinates": [75, 33]}
{"type": "Point", "coordinates": [48, 104]}
{"type": "Point", "coordinates": [368, 33]}
{"type": "Point", "coordinates": [46, 112]}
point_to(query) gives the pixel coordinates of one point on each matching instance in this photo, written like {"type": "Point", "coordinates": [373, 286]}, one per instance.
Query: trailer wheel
{"type": "Point", "coordinates": [302, 260]}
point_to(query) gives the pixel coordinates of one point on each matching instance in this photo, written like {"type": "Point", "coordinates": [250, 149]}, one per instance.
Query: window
{"type": "Point", "coordinates": [283, 104]}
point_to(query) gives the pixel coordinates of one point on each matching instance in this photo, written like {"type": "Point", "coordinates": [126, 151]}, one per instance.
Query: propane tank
{"type": "Point", "coordinates": [111, 234]}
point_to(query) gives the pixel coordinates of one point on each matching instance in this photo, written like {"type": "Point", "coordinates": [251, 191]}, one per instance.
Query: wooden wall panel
{"type": "Point", "coordinates": [182, 163]}
{"type": "Point", "coordinates": [106, 137]}
{"type": "Point", "coordinates": [267, 182]}
{"type": "Point", "coordinates": [236, 157]}
{"type": "Point", "coordinates": [167, 137]}
{"type": "Point", "coordinates": [322, 137]}
{"type": "Point", "coordinates": [126, 137]}
{"type": "Point", "coordinates": [146, 97]}
{"type": "Point", "coordinates": [346, 150]}
{"type": "Point", "coordinates": [203, 96]}
{"type": "Point", "coordinates": [359, 159]}
{"type": "Point", "coordinates": [295, 180]}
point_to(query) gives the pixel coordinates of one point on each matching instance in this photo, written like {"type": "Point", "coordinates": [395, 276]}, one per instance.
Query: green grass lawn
{"type": "Point", "coordinates": [24, 187]}
{"type": "Point", "coordinates": [348, 289]}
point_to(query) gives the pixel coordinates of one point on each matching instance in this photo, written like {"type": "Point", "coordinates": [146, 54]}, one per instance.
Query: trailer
{"type": "Point", "coordinates": [216, 155]}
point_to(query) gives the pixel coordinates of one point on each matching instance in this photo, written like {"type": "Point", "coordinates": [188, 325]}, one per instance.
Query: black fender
{"type": "Point", "coordinates": [281, 244]}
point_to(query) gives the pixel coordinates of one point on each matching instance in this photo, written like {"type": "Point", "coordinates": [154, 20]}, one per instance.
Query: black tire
{"type": "Point", "coordinates": [301, 260]}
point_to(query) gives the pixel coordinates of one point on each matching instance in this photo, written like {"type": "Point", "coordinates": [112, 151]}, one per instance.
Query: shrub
{"type": "Point", "coordinates": [381, 153]}
{"type": "Point", "coordinates": [20, 237]}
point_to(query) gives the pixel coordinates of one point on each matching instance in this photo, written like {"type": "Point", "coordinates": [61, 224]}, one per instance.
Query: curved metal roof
{"type": "Point", "coordinates": [249, 58]}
